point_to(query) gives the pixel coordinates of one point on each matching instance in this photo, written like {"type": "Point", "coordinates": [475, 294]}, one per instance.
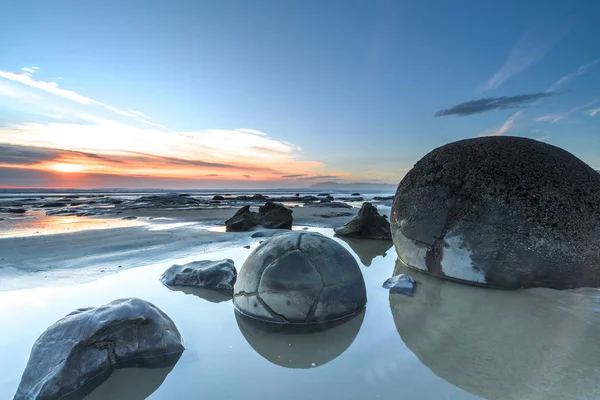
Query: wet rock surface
{"type": "Point", "coordinates": [207, 274]}
{"type": "Point", "coordinates": [368, 224]}
{"type": "Point", "coordinates": [275, 216]}
{"type": "Point", "coordinates": [80, 351]}
{"type": "Point", "coordinates": [300, 278]}
{"type": "Point", "coordinates": [503, 212]}
{"type": "Point", "coordinates": [403, 284]}
{"type": "Point", "coordinates": [243, 220]}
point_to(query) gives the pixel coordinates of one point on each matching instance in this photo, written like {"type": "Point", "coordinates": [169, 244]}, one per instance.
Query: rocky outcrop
{"type": "Point", "coordinates": [368, 224]}
{"type": "Point", "coordinates": [301, 278]}
{"type": "Point", "coordinates": [275, 216]}
{"type": "Point", "coordinates": [331, 204]}
{"type": "Point", "coordinates": [243, 220]}
{"type": "Point", "coordinates": [217, 275]}
{"type": "Point", "coordinates": [502, 212]}
{"type": "Point", "coordinates": [80, 351]}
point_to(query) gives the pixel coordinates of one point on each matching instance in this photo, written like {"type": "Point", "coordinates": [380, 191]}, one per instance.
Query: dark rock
{"type": "Point", "coordinates": [349, 198]}
{"type": "Point", "coordinates": [53, 205]}
{"type": "Point", "coordinates": [367, 250]}
{"type": "Point", "coordinates": [202, 274]}
{"type": "Point", "coordinates": [247, 246]}
{"type": "Point", "coordinates": [72, 196]}
{"type": "Point", "coordinates": [355, 194]}
{"type": "Point", "coordinates": [243, 220]}
{"type": "Point", "coordinates": [119, 386]}
{"type": "Point", "coordinates": [368, 224]}
{"type": "Point", "coordinates": [331, 204]}
{"type": "Point", "coordinates": [503, 212]}
{"type": "Point", "coordinates": [218, 198]}
{"type": "Point", "coordinates": [165, 201]}
{"type": "Point", "coordinates": [1, 219]}
{"type": "Point", "coordinates": [259, 197]}
{"type": "Point", "coordinates": [266, 234]}
{"type": "Point", "coordinates": [13, 210]}
{"type": "Point", "coordinates": [403, 284]}
{"type": "Point", "coordinates": [297, 194]}
{"type": "Point", "coordinates": [334, 215]}
{"type": "Point", "coordinates": [275, 216]}
{"type": "Point", "coordinates": [304, 346]}
{"type": "Point", "coordinates": [75, 203]}
{"type": "Point", "coordinates": [184, 195]}
{"type": "Point", "coordinates": [324, 194]}
{"type": "Point", "coordinates": [129, 217]}
{"type": "Point", "coordinates": [383, 198]}
{"type": "Point", "coordinates": [300, 277]}
{"type": "Point", "coordinates": [80, 351]}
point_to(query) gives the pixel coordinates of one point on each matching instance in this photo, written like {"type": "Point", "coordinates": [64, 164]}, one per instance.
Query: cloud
{"type": "Point", "coordinates": [580, 71]}
{"type": "Point", "coordinates": [593, 112]}
{"type": "Point", "coordinates": [320, 177]}
{"type": "Point", "coordinates": [492, 103]}
{"type": "Point", "coordinates": [52, 87]}
{"type": "Point", "coordinates": [293, 176]}
{"type": "Point", "coordinates": [247, 176]}
{"type": "Point", "coordinates": [251, 131]}
{"type": "Point", "coordinates": [554, 118]}
{"type": "Point", "coordinates": [506, 126]}
{"type": "Point", "coordinates": [530, 49]}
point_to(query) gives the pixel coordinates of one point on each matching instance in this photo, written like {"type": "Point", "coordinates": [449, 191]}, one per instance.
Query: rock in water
{"type": "Point", "coordinates": [403, 284]}
{"type": "Point", "coordinates": [300, 277]}
{"type": "Point", "coordinates": [207, 274]}
{"type": "Point", "coordinates": [275, 216]}
{"type": "Point", "coordinates": [503, 212]}
{"type": "Point", "coordinates": [80, 351]}
{"type": "Point", "coordinates": [368, 224]}
{"type": "Point", "coordinates": [243, 220]}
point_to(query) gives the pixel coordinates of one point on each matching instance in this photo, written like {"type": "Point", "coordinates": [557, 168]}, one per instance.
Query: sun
{"type": "Point", "coordinates": [64, 167]}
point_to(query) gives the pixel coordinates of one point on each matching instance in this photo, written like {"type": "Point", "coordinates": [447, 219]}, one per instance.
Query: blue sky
{"type": "Point", "coordinates": [343, 90]}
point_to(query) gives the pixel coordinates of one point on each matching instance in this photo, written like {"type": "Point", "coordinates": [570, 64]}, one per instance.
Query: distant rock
{"type": "Point", "coordinates": [331, 204]}
{"type": "Point", "coordinates": [297, 194]}
{"type": "Point", "coordinates": [403, 284]}
{"type": "Point", "coordinates": [165, 201]}
{"type": "Point", "coordinates": [13, 210]}
{"type": "Point", "coordinates": [75, 203]}
{"type": "Point", "coordinates": [383, 198]}
{"type": "Point", "coordinates": [355, 194]}
{"type": "Point", "coordinates": [247, 246]}
{"type": "Point", "coordinates": [218, 198]}
{"type": "Point", "coordinates": [324, 194]}
{"type": "Point", "coordinates": [275, 216]}
{"type": "Point", "coordinates": [243, 220]}
{"type": "Point", "coordinates": [129, 217]}
{"type": "Point", "coordinates": [334, 215]}
{"type": "Point", "coordinates": [355, 198]}
{"type": "Point", "coordinates": [218, 275]}
{"type": "Point", "coordinates": [80, 351]}
{"type": "Point", "coordinates": [53, 205]}
{"type": "Point", "coordinates": [368, 224]}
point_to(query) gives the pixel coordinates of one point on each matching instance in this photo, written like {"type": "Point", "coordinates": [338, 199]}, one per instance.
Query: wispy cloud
{"type": "Point", "coordinates": [26, 78]}
{"type": "Point", "coordinates": [580, 71]}
{"type": "Point", "coordinates": [554, 118]}
{"type": "Point", "coordinates": [593, 112]}
{"type": "Point", "coordinates": [319, 177]}
{"type": "Point", "coordinates": [247, 176]}
{"type": "Point", "coordinates": [505, 127]}
{"type": "Point", "coordinates": [293, 176]}
{"type": "Point", "coordinates": [251, 131]}
{"type": "Point", "coordinates": [530, 49]}
{"type": "Point", "coordinates": [492, 103]}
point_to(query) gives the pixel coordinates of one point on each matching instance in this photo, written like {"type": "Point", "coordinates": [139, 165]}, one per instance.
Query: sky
{"type": "Point", "coordinates": [275, 94]}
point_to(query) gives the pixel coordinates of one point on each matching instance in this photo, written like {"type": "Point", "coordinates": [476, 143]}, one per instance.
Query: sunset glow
{"type": "Point", "coordinates": [62, 167]}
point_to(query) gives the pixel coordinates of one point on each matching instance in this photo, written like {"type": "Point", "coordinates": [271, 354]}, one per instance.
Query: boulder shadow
{"type": "Point", "coordinates": [300, 346]}
{"type": "Point", "coordinates": [130, 384]}
{"type": "Point", "coordinates": [500, 344]}
{"type": "Point", "coordinates": [212, 295]}
{"type": "Point", "coordinates": [367, 249]}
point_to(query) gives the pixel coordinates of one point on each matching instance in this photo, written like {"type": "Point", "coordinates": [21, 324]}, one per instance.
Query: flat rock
{"type": "Point", "coordinates": [502, 212]}
{"type": "Point", "coordinates": [331, 204]}
{"type": "Point", "coordinates": [80, 351]}
{"type": "Point", "coordinates": [368, 224]}
{"type": "Point", "coordinates": [403, 284]}
{"type": "Point", "coordinates": [219, 275]}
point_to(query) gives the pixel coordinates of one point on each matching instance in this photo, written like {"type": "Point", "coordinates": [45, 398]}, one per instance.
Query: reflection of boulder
{"type": "Point", "coordinates": [130, 384]}
{"type": "Point", "coordinates": [300, 346]}
{"type": "Point", "coordinates": [212, 295]}
{"type": "Point", "coordinates": [531, 344]}
{"type": "Point", "coordinates": [367, 249]}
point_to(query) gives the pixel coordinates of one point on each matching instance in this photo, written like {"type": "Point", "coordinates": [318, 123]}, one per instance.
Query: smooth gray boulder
{"type": "Point", "coordinates": [300, 278]}
{"type": "Point", "coordinates": [207, 274]}
{"type": "Point", "coordinates": [243, 220]}
{"type": "Point", "coordinates": [368, 224]}
{"type": "Point", "coordinates": [502, 212]}
{"type": "Point", "coordinates": [275, 216]}
{"type": "Point", "coordinates": [80, 351]}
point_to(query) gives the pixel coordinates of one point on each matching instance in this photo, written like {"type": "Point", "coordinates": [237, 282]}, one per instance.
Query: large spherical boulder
{"type": "Point", "coordinates": [300, 277]}
{"type": "Point", "coordinates": [503, 212]}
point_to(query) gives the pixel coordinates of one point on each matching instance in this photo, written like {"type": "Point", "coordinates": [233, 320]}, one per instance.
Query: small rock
{"type": "Point", "coordinates": [120, 266]}
{"type": "Point", "coordinates": [368, 224]}
{"type": "Point", "coordinates": [53, 205]}
{"type": "Point", "coordinates": [247, 246]}
{"type": "Point", "coordinates": [324, 194]}
{"type": "Point", "coordinates": [218, 198]}
{"type": "Point", "coordinates": [243, 220]}
{"type": "Point", "coordinates": [383, 198]}
{"type": "Point", "coordinates": [355, 194]}
{"type": "Point", "coordinates": [202, 274]}
{"type": "Point", "coordinates": [403, 284]}
{"type": "Point", "coordinates": [275, 216]}
{"type": "Point", "coordinates": [130, 217]}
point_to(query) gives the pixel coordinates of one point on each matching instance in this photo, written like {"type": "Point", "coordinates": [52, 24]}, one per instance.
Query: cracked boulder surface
{"type": "Point", "coordinates": [80, 351]}
{"type": "Point", "coordinates": [501, 212]}
{"type": "Point", "coordinates": [300, 278]}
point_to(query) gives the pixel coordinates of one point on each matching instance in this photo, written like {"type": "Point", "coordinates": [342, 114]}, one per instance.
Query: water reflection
{"type": "Point", "coordinates": [51, 225]}
{"type": "Point", "coordinates": [367, 249]}
{"type": "Point", "coordinates": [299, 346]}
{"type": "Point", "coordinates": [530, 344]}
{"type": "Point", "coordinates": [130, 384]}
{"type": "Point", "coordinates": [212, 295]}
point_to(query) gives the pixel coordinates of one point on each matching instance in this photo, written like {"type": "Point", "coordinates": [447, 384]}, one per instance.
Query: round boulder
{"type": "Point", "coordinates": [503, 212]}
{"type": "Point", "coordinates": [300, 278]}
